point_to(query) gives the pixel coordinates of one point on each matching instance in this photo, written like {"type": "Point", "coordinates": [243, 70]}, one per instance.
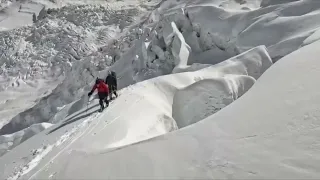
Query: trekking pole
{"type": "Point", "coordinates": [87, 105]}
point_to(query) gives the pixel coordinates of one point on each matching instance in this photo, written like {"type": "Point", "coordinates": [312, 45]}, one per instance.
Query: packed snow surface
{"type": "Point", "coordinates": [250, 138]}
{"type": "Point", "coordinates": [208, 89]}
{"type": "Point", "coordinates": [9, 141]}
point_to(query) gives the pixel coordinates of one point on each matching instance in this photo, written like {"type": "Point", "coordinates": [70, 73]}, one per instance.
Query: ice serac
{"type": "Point", "coordinates": [179, 33]}
{"type": "Point", "coordinates": [180, 49]}
{"type": "Point", "coordinates": [273, 129]}
{"type": "Point", "coordinates": [206, 97]}
{"type": "Point", "coordinates": [224, 32]}
{"type": "Point", "coordinates": [249, 60]}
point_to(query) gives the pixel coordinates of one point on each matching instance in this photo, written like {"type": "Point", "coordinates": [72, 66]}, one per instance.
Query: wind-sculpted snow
{"type": "Point", "coordinates": [163, 99]}
{"type": "Point", "coordinates": [206, 97]}
{"type": "Point", "coordinates": [181, 33]}
{"type": "Point", "coordinates": [159, 97]}
{"type": "Point", "coordinates": [160, 100]}
{"type": "Point", "coordinates": [267, 130]}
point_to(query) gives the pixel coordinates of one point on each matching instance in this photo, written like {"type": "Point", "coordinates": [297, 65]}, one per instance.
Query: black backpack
{"type": "Point", "coordinates": [114, 74]}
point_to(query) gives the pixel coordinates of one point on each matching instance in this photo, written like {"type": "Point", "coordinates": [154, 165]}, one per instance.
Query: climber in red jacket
{"type": "Point", "coordinates": [103, 91]}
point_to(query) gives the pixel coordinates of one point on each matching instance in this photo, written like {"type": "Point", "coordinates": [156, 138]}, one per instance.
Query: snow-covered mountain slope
{"type": "Point", "coordinates": [151, 51]}
{"type": "Point", "coordinates": [203, 32]}
{"type": "Point", "coordinates": [273, 129]}
{"type": "Point", "coordinates": [45, 68]}
{"type": "Point", "coordinates": [161, 99]}
{"type": "Point", "coordinates": [11, 140]}
{"type": "Point", "coordinates": [197, 61]}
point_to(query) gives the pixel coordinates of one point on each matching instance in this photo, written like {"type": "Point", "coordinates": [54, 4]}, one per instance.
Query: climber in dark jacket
{"type": "Point", "coordinates": [103, 91]}
{"type": "Point", "coordinates": [111, 80]}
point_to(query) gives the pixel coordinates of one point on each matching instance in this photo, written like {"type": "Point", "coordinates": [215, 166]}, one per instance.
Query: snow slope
{"type": "Point", "coordinates": [185, 70]}
{"type": "Point", "coordinates": [250, 138]}
{"type": "Point", "coordinates": [10, 141]}
{"type": "Point", "coordinates": [232, 78]}
{"type": "Point", "coordinates": [146, 50]}
{"type": "Point", "coordinates": [44, 68]}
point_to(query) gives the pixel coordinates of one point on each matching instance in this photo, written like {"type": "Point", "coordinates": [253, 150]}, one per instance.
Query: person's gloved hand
{"type": "Point", "coordinates": [90, 93]}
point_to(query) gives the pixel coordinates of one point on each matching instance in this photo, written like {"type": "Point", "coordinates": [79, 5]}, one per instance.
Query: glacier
{"type": "Point", "coordinates": [208, 89]}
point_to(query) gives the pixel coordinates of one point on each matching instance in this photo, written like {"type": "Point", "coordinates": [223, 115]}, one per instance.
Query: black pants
{"type": "Point", "coordinates": [113, 89]}
{"type": "Point", "coordinates": [103, 97]}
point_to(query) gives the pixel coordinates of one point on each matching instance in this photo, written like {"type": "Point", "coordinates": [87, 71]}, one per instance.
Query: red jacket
{"type": "Point", "coordinates": [101, 86]}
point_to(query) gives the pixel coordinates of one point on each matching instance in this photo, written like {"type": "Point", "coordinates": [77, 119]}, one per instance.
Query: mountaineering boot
{"type": "Point", "coordinates": [106, 101]}
{"type": "Point", "coordinates": [101, 105]}
{"type": "Point", "coordinates": [101, 108]}
{"type": "Point", "coordinates": [110, 96]}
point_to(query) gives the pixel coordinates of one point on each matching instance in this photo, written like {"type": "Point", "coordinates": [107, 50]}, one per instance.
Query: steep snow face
{"type": "Point", "coordinates": [43, 65]}
{"type": "Point", "coordinates": [41, 73]}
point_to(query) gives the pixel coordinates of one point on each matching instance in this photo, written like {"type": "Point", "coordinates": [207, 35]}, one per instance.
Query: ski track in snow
{"type": "Point", "coordinates": [36, 160]}
{"type": "Point", "coordinates": [108, 109]}
{"type": "Point", "coordinates": [129, 107]}
{"type": "Point", "coordinates": [52, 159]}
{"type": "Point", "coordinates": [46, 149]}
{"type": "Point", "coordinates": [67, 136]}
